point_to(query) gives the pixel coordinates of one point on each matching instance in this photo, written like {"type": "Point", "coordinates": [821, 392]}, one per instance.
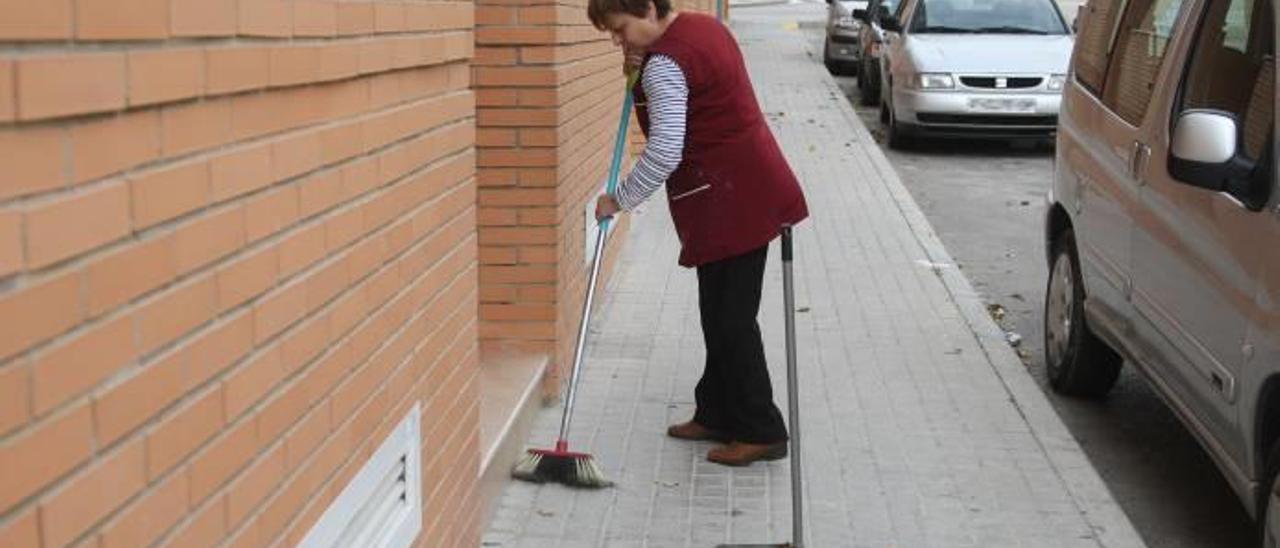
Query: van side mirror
{"type": "Point", "coordinates": [890, 23]}
{"type": "Point", "coordinates": [1205, 154]}
{"type": "Point", "coordinates": [860, 14]}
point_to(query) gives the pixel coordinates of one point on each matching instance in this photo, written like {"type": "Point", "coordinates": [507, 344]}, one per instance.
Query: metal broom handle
{"type": "Point", "coordinates": [615, 166]}
{"type": "Point", "coordinates": [793, 398]}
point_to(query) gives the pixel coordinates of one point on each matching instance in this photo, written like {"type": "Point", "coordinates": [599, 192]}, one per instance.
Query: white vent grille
{"type": "Point", "coordinates": [382, 506]}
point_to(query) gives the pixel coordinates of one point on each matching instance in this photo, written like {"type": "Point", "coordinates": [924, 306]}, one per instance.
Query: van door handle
{"type": "Point", "coordinates": [1138, 162]}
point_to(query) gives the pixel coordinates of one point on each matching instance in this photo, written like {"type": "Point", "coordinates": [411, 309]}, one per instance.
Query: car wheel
{"type": "Point", "coordinates": [1269, 502]}
{"type": "Point", "coordinates": [832, 66]}
{"type": "Point", "coordinates": [899, 137]}
{"type": "Point", "coordinates": [868, 91]}
{"type": "Point", "coordinates": [1078, 363]}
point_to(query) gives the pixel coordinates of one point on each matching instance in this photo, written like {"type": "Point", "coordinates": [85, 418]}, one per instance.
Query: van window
{"type": "Point", "coordinates": [1141, 41]}
{"type": "Point", "coordinates": [1094, 42]}
{"type": "Point", "coordinates": [1233, 69]}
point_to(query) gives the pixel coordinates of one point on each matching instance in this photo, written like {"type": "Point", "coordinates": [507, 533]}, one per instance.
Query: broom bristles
{"type": "Point", "coordinates": [573, 470]}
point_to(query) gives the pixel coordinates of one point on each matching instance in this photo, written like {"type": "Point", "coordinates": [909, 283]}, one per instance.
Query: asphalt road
{"type": "Point", "coordinates": [986, 201]}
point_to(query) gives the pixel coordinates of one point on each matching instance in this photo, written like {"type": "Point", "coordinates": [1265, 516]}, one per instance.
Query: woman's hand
{"type": "Point", "coordinates": [633, 58]}
{"type": "Point", "coordinates": [606, 207]}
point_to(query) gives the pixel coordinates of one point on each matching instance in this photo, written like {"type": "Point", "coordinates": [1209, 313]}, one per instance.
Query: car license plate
{"type": "Point", "coordinates": [1002, 105]}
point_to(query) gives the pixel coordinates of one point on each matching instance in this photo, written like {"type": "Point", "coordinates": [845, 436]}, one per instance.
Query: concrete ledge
{"type": "Point", "coordinates": [510, 396]}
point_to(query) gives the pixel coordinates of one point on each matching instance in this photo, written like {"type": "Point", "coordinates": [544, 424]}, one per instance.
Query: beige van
{"type": "Point", "coordinates": [1163, 225]}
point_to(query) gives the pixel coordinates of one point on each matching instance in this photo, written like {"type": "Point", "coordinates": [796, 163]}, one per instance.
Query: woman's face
{"type": "Point", "coordinates": [631, 31]}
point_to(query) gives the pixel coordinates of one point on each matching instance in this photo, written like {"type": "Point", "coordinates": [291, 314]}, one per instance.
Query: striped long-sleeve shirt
{"type": "Point", "coordinates": [667, 93]}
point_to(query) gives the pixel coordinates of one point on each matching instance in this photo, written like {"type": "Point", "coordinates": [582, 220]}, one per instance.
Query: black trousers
{"type": "Point", "coordinates": [734, 394]}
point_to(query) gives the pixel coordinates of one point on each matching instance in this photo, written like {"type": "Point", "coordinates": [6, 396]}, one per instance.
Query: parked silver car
{"type": "Point", "coordinates": [985, 68]}
{"type": "Point", "coordinates": [840, 50]}
{"type": "Point", "coordinates": [1163, 225]}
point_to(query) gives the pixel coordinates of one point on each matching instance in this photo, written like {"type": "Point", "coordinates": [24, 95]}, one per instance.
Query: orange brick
{"type": "Point", "coordinates": [237, 69]}
{"type": "Point", "coordinates": [344, 228]}
{"type": "Point", "coordinates": [279, 310]}
{"type": "Point", "coordinates": [11, 259]}
{"type": "Point", "coordinates": [307, 437]}
{"type": "Point", "coordinates": [241, 171]}
{"type": "Point", "coordinates": [355, 18]}
{"type": "Point", "coordinates": [252, 488]}
{"type": "Point", "coordinates": [167, 193]}
{"type": "Point", "coordinates": [246, 278]}
{"type": "Point", "coordinates": [388, 17]}
{"type": "Point", "coordinates": [215, 350]}
{"type": "Point", "coordinates": [203, 18]}
{"type": "Point", "coordinates": [281, 412]}
{"type": "Point", "coordinates": [538, 217]}
{"type": "Point", "coordinates": [70, 84]}
{"type": "Point", "coordinates": [211, 469]}
{"type": "Point", "coordinates": [15, 397]}
{"type": "Point", "coordinates": [22, 531]}
{"type": "Point", "coordinates": [338, 61]}
{"type": "Point", "coordinates": [179, 434]}
{"type": "Point", "coordinates": [315, 18]}
{"type": "Point", "coordinates": [44, 453]}
{"type": "Point", "coordinates": [92, 495]}
{"type": "Point", "coordinates": [108, 146]}
{"type": "Point", "coordinates": [519, 236]}
{"type": "Point", "coordinates": [47, 309]}
{"type": "Point", "coordinates": [128, 273]}
{"type": "Point", "coordinates": [538, 255]}
{"type": "Point", "coordinates": [206, 529]}
{"type": "Point", "coordinates": [295, 155]}
{"type": "Point", "coordinates": [268, 214]}
{"type": "Point", "coordinates": [35, 19]}
{"type": "Point", "coordinates": [496, 217]}
{"type": "Point", "coordinates": [293, 65]}
{"type": "Point", "coordinates": [341, 143]}
{"type": "Point", "coordinates": [498, 255]}
{"type": "Point", "coordinates": [165, 75]}
{"type": "Point", "coordinates": [142, 522]}
{"type": "Point", "coordinates": [122, 19]}
{"type": "Point", "coordinates": [245, 386]}
{"type": "Point", "coordinates": [34, 160]}
{"type": "Point", "coordinates": [303, 344]}
{"type": "Point", "coordinates": [175, 312]}
{"type": "Point", "coordinates": [208, 239]}
{"type": "Point", "coordinates": [8, 110]}
{"type": "Point", "coordinates": [301, 249]}
{"type": "Point", "coordinates": [271, 18]}
{"type": "Point", "coordinates": [375, 56]}
{"type": "Point", "coordinates": [129, 404]}
{"type": "Point", "coordinates": [320, 193]}
{"type": "Point", "coordinates": [188, 128]}
{"type": "Point", "coordinates": [80, 364]}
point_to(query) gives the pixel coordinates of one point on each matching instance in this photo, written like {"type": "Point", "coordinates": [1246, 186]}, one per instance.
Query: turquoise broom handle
{"type": "Point", "coordinates": [620, 143]}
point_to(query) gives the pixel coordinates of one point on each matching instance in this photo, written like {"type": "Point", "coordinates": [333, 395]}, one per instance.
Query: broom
{"type": "Point", "coordinates": [561, 465]}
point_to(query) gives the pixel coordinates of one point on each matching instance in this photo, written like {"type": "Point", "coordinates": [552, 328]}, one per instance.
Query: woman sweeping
{"type": "Point", "coordinates": [730, 192]}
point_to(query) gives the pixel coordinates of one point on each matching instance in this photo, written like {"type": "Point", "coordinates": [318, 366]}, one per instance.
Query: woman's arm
{"type": "Point", "coordinates": [667, 92]}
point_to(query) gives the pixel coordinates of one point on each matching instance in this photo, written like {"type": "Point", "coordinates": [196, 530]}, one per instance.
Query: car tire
{"type": "Point", "coordinates": [868, 92]}
{"type": "Point", "coordinates": [1268, 521]}
{"type": "Point", "coordinates": [1077, 362]}
{"type": "Point", "coordinates": [900, 138]}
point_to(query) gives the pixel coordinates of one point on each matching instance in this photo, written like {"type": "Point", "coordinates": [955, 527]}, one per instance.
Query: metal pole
{"type": "Point", "coordinates": [793, 389]}
{"type": "Point", "coordinates": [582, 330]}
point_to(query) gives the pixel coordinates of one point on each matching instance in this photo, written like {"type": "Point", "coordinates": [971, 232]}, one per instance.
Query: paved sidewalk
{"type": "Point", "coordinates": [921, 428]}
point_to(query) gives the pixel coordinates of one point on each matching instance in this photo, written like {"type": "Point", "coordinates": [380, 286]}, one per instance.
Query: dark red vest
{"type": "Point", "coordinates": [733, 190]}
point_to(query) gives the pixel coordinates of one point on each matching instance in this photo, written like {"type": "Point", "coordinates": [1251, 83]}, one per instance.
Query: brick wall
{"type": "Point", "coordinates": [549, 91]}
{"type": "Point", "coordinates": [237, 244]}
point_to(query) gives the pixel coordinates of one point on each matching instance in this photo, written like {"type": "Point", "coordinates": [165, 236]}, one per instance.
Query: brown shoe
{"type": "Point", "coordinates": [743, 454]}
{"type": "Point", "coordinates": [696, 432]}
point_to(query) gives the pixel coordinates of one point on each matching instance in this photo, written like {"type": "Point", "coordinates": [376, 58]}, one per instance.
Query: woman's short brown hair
{"type": "Point", "coordinates": [597, 10]}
